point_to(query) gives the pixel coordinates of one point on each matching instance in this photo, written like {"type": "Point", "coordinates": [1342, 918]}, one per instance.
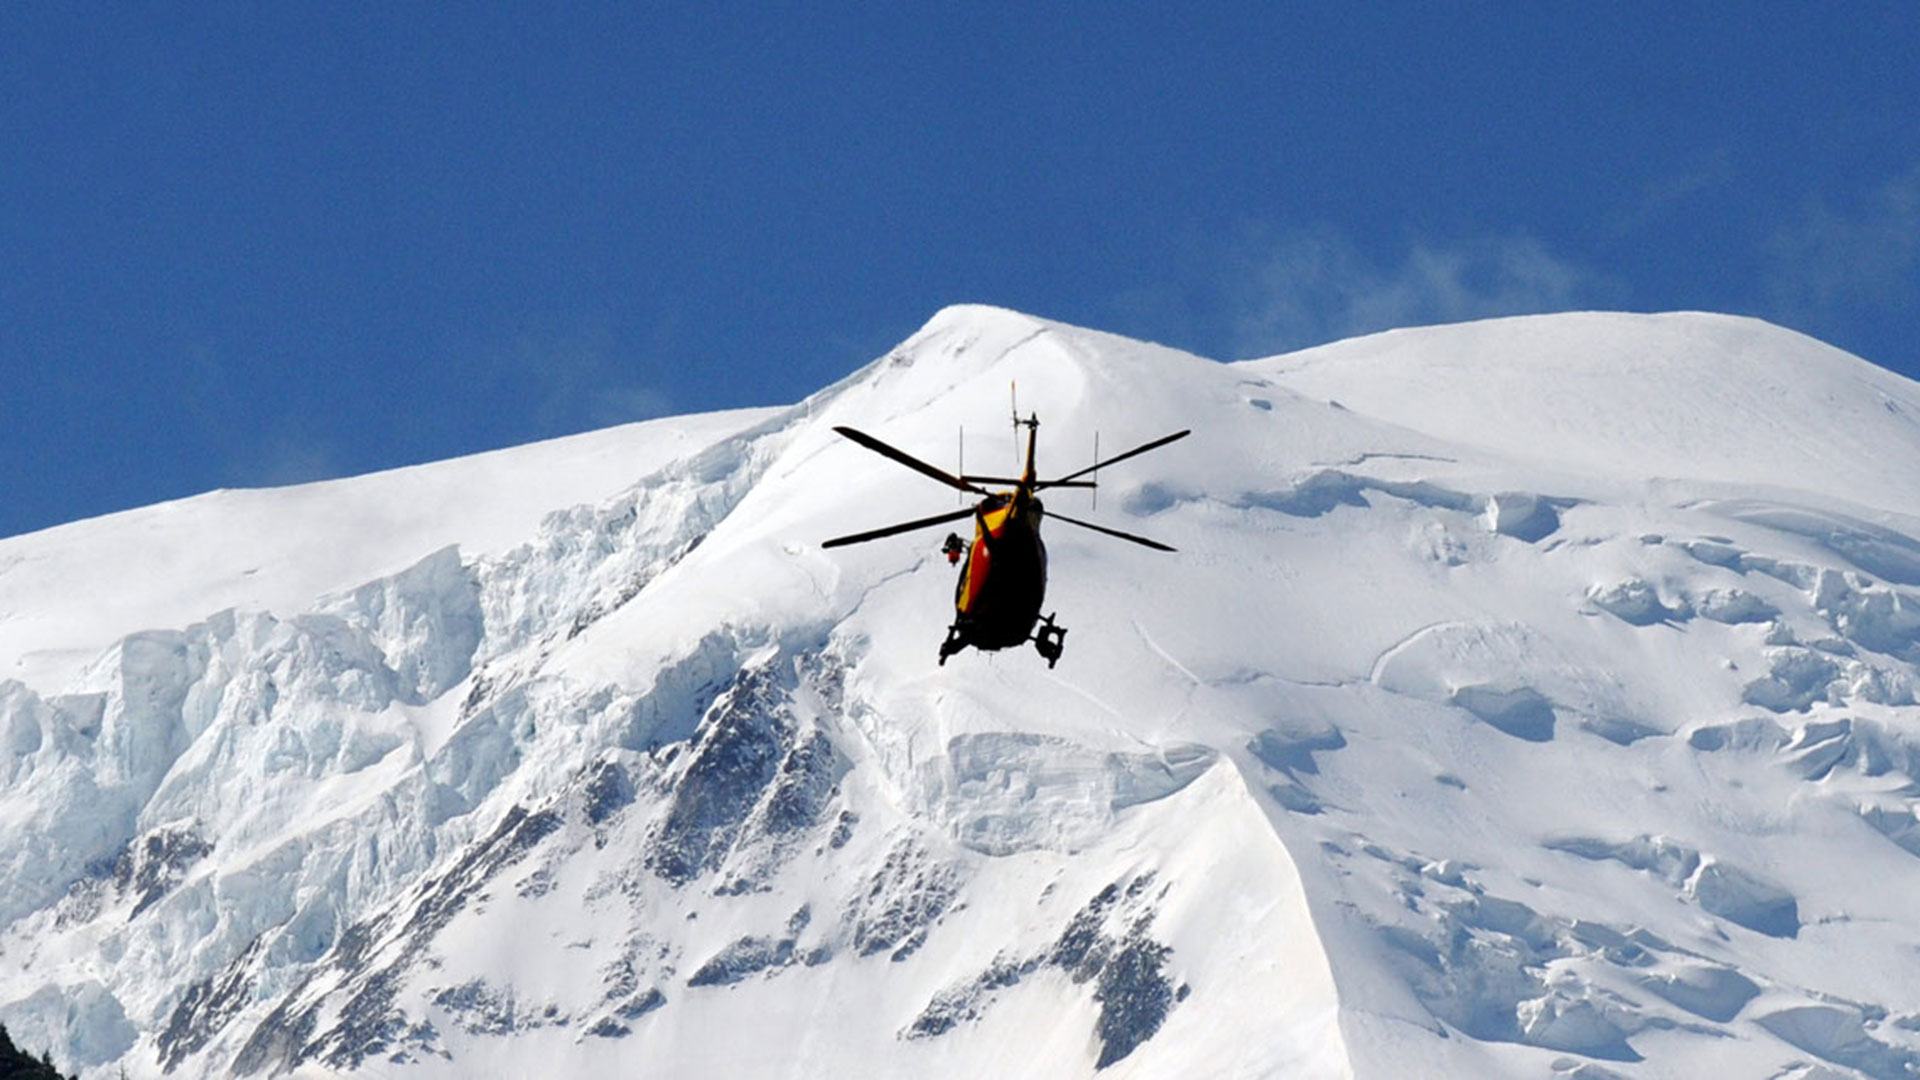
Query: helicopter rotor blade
{"type": "Point", "coordinates": [905, 526]}
{"type": "Point", "coordinates": [909, 460]}
{"type": "Point", "coordinates": [1141, 540]}
{"type": "Point", "coordinates": [1009, 480]}
{"type": "Point", "coordinates": [1141, 449]}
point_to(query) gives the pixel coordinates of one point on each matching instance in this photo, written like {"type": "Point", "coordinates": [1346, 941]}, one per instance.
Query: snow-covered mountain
{"type": "Point", "coordinates": [1527, 698]}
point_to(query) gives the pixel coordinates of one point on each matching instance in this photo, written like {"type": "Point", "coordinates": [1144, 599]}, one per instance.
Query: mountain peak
{"type": "Point", "coordinates": [1524, 697]}
{"type": "Point", "coordinates": [1684, 396]}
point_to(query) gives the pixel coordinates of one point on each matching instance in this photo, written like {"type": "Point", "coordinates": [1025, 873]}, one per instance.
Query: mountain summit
{"type": "Point", "coordinates": [1528, 698]}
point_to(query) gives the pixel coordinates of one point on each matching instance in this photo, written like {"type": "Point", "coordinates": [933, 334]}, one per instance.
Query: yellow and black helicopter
{"type": "Point", "coordinates": [1003, 576]}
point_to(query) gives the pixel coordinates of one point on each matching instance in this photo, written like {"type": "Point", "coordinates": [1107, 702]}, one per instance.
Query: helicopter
{"type": "Point", "coordinates": [1003, 571]}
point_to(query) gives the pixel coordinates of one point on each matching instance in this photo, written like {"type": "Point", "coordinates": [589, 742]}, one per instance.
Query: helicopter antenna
{"type": "Point", "coordinates": [961, 496]}
{"type": "Point", "coordinates": [1013, 399]}
{"type": "Point", "coordinates": [1096, 468]}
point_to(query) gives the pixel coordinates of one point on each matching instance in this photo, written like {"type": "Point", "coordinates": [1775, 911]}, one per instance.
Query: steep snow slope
{"type": "Point", "coordinates": [68, 592]}
{"type": "Point", "coordinates": [1574, 737]}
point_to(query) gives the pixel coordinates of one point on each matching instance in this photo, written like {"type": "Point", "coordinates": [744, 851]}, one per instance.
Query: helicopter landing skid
{"type": "Point", "coordinates": [953, 644]}
{"type": "Point", "coordinates": [1050, 639]}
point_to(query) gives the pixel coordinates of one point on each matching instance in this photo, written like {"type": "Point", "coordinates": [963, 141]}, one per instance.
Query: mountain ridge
{"type": "Point", "coordinates": [1635, 394]}
{"type": "Point", "coordinates": [1422, 754]}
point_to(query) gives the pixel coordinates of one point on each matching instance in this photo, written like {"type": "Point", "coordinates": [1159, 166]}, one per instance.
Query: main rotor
{"type": "Point", "coordinates": [1025, 486]}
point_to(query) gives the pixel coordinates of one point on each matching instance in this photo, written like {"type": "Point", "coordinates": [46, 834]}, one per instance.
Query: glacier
{"type": "Point", "coordinates": [1532, 697]}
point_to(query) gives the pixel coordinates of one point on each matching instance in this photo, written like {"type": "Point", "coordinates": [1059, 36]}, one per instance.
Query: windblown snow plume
{"type": "Point", "coordinates": [1527, 698]}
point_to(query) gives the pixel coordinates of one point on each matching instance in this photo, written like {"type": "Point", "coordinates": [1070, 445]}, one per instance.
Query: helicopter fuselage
{"type": "Point", "coordinates": [1003, 579]}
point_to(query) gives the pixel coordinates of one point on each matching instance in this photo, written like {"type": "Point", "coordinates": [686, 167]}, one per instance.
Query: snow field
{"type": "Point", "coordinates": [1527, 698]}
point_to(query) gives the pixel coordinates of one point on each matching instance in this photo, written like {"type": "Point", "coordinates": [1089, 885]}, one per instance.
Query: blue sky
{"type": "Point", "coordinates": [247, 244]}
